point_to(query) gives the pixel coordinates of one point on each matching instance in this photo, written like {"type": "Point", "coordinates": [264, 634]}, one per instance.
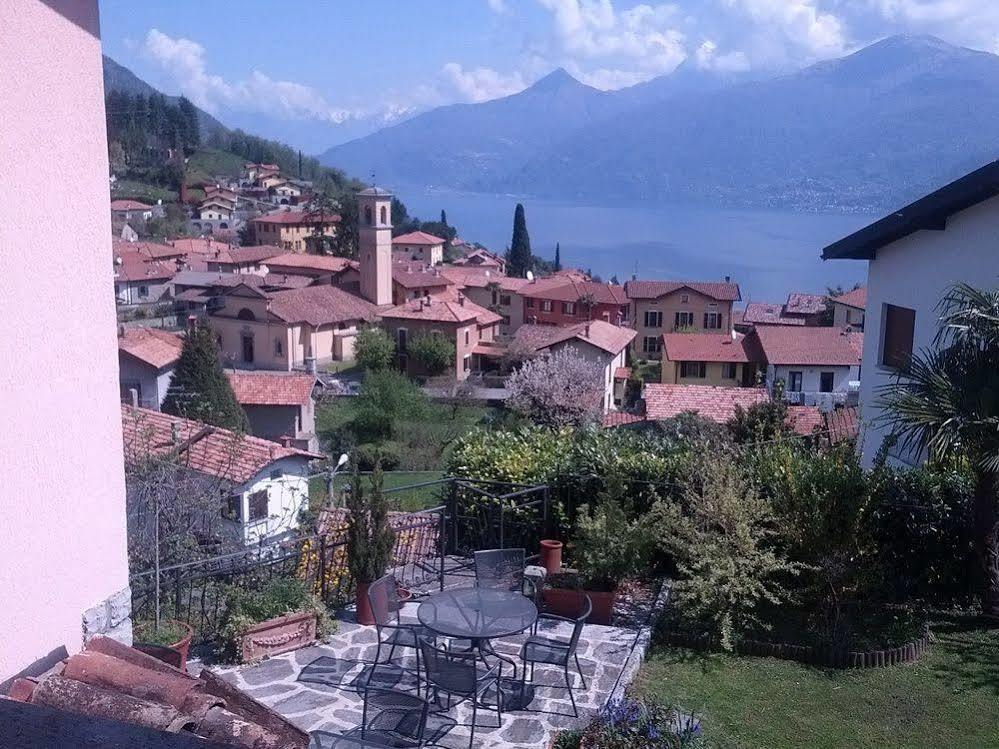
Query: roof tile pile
{"type": "Point", "coordinates": [109, 680]}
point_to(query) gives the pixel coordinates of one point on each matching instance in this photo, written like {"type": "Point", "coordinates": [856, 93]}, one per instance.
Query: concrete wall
{"type": "Point", "coordinates": [431, 254]}
{"type": "Point", "coordinates": [288, 494]}
{"type": "Point", "coordinates": [151, 382]}
{"type": "Point", "coordinates": [915, 272]}
{"type": "Point", "coordinates": [811, 377]}
{"type": "Point", "coordinates": [63, 539]}
{"type": "Point", "coordinates": [272, 422]}
{"type": "Point", "coordinates": [128, 292]}
{"type": "Point", "coordinates": [843, 316]}
{"type": "Point", "coordinates": [669, 305]}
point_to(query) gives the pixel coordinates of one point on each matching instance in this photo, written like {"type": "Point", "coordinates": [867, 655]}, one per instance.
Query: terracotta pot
{"type": "Point", "coordinates": [403, 594]}
{"type": "Point", "coordinates": [565, 602]}
{"type": "Point", "coordinates": [278, 635]}
{"type": "Point", "coordinates": [364, 614]}
{"type": "Point", "coordinates": [551, 556]}
{"type": "Point", "coordinates": [180, 649]}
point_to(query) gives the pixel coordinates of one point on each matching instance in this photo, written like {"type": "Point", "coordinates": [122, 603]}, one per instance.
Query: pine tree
{"type": "Point", "coordinates": [519, 260]}
{"type": "Point", "coordinates": [443, 217]}
{"type": "Point", "coordinates": [558, 257]}
{"type": "Point", "coordinates": [199, 389]}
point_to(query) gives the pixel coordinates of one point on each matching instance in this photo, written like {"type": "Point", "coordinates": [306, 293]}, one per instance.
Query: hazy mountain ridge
{"type": "Point", "coordinates": [864, 132]}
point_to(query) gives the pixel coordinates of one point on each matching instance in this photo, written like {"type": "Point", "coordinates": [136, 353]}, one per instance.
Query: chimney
{"type": "Point", "coordinates": [285, 440]}
{"type": "Point", "coordinates": [310, 365]}
{"type": "Point", "coordinates": [728, 279]}
{"type": "Point", "coordinates": [587, 333]}
{"type": "Point", "coordinates": [461, 299]}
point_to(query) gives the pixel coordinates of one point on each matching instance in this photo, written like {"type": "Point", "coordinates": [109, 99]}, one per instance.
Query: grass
{"type": "Point", "coordinates": [949, 698]}
{"type": "Point", "coordinates": [144, 191]}
{"type": "Point", "coordinates": [410, 500]}
{"type": "Point", "coordinates": [342, 367]}
{"type": "Point", "coordinates": [207, 163]}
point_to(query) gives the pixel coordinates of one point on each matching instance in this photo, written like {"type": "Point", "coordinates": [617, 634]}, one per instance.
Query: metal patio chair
{"type": "Point", "coordinates": [389, 628]}
{"type": "Point", "coordinates": [503, 569]}
{"type": "Point", "coordinates": [390, 718]}
{"type": "Point", "coordinates": [556, 652]}
{"type": "Point", "coordinates": [458, 674]}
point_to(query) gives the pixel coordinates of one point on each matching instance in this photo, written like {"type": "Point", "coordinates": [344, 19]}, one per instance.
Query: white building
{"type": "Point", "coordinates": [146, 360]}
{"type": "Point", "coordinates": [266, 483]}
{"type": "Point", "coordinates": [419, 246]}
{"type": "Point", "coordinates": [914, 255]}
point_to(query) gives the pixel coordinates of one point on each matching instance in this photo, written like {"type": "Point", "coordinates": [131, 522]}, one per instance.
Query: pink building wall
{"type": "Point", "coordinates": [62, 539]}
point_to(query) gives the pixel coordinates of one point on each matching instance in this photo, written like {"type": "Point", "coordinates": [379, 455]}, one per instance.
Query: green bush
{"type": "Point", "coordinates": [374, 349]}
{"type": "Point", "coordinates": [280, 596]}
{"type": "Point", "coordinates": [435, 353]}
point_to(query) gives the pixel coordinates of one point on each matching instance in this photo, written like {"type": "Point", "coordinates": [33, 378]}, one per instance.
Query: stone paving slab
{"type": "Point", "coordinates": [317, 687]}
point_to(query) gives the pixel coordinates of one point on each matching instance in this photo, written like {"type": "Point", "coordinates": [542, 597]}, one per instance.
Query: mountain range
{"type": "Point", "coordinates": [863, 132]}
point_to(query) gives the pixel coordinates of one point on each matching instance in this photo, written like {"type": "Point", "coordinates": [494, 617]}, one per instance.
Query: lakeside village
{"type": "Point", "coordinates": [427, 493]}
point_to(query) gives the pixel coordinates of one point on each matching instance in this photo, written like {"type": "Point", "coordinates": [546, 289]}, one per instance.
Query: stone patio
{"type": "Point", "coordinates": [317, 687]}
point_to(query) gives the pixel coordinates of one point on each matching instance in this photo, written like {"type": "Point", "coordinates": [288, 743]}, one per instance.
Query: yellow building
{"type": "Point", "coordinates": [719, 360]}
{"type": "Point", "coordinates": [292, 230]}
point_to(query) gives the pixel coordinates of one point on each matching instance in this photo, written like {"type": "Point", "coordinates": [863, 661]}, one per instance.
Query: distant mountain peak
{"type": "Point", "coordinates": [556, 80]}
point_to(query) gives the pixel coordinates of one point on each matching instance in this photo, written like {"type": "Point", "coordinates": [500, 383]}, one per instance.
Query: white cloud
{"type": "Point", "coordinates": [800, 24]}
{"type": "Point", "coordinates": [185, 61]}
{"type": "Point", "coordinates": [707, 58]}
{"type": "Point", "coordinates": [481, 84]}
{"type": "Point", "coordinates": [498, 6]}
{"type": "Point", "coordinates": [970, 22]}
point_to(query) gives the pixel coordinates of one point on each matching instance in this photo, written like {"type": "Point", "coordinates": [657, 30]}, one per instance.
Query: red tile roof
{"type": "Point", "coordinates": [320, 305]}
{"type": "Point", "coordinates": [298, 260]}
{"type": "Point", "coordinates": [442, 310]}
{"type": "Point", "coordinates": [480, 277]}
{"type": "Point", "coordinates": [843, 424]}
{"type": "Point", "coordinates": [622, 373]}
{"type": "Point", "coordinates": [157, 348]}
{"type": "Point", "coordinates": [417, 237]}
{"type": "Point", "coordinates": [709, 347]}
{"type": "Point", "coordinates": [805, 304]}
{"type": "Point", "coordinates": [560, 290]}
{"type": "Point", "coordinates": [272, 388]}
{"type": "Point", "coordinates": [131, 265]}
{"type": "Point", "coordinates": [715, 403]}
{"type": "Point", "coordinates": [856, 298]}
{"type": "Point", "coordinates": [128, 205]}
{"type": "Point", "coordinates": [722, 291]}
{"type": "Point", "coordinates": [610, 338]}
{"type": "Point", "coordinates": [620, 418]}
{"type": "Point", "coordinates": [292, 218]}
{"type": "Point", "coordinates": [417, 276]}
{"type": "Point", "coordinates": [209, 450]}
{"type": "Point", "coordinates": [810, 345]}
{"type": "Point", "coordinates": [248, 254]}
{"type": "Point", "coordinates": [805, 420]}
{"type": "Point", "coordinates": [764, 313]}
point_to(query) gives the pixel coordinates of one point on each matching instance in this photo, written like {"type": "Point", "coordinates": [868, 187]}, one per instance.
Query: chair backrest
{"type": "Point", "coordinates": [393, 718]}
{"type": "Point", "coordinates": [581, 617]}
{"type": "Point", "coordinates": [453, 671]}
{"type": "Point", "coordinates": [502, 569]}
{"type": "Point", "coordinates": [383, 596]}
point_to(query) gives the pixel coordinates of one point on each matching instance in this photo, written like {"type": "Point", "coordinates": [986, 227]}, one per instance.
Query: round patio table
{"type": "Point", "coordinates": [478, 615]}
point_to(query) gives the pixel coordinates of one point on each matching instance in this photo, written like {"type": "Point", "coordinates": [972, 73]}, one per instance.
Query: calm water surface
{"type": "Point", "coordinates": [768, 252]}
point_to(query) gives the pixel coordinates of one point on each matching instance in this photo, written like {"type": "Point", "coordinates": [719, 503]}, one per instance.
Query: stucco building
{"type": "Point", "coordinates": [719, 360]}
{"type": "Point", "coordinates": [420, 246]}
{"type": "Point", "coordinates": [292, 230]}
{"type": "Point", "coordinates": [659, 307]}
{"type": "Point", "coordinates": [278, 405]}
{"type": "Point", "coordinates": [561, 300]}
{"type": "Point", "coordinates": [146, 359]}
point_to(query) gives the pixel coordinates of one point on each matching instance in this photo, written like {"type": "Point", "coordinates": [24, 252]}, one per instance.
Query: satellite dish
{"type": "Point", "coordinates": [530, 275]}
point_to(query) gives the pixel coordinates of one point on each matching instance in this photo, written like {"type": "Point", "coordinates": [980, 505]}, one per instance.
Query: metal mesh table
{"type": "Point", "coordinates": [478, 615]}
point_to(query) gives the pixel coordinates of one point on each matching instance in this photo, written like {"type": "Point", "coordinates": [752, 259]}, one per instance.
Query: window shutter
{"type": "Point", "coordinates": [900, 324]}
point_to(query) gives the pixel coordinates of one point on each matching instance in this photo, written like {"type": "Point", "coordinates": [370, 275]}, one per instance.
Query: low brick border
{"type": "Point", "coordinates": [809, 654]}
{"type": "Point", "coordinates": [640, 647]}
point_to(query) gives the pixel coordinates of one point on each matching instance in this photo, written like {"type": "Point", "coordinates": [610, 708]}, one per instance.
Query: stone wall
{"type": "Point", "coordinates": [111, 618]}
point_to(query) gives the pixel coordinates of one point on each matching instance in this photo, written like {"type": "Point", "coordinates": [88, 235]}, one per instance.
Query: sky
{"type": "Point", "coordinates": [320, 72]}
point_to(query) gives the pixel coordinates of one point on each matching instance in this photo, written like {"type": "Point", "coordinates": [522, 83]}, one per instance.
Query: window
{"type": "Point", "coordinates": [277, 473]}
{"type": "Point", "coordinates": [258, 505]}
{"type": "Point", "coordinates": [696, 369]}
{"type": "Point", "coordinates": [466, 337]}
{"type": "Point", "coordinates": [231, 510]}
{"type": "Point", "coordinates": [505, 321]}
{"type": "Point", "coordinates": [466, 363]}
{"type": "Point", "coordinates": [401, 337]}
{"type": "Point", "coordinates": [825, 382]}
{"type": "Point", "coordinates": [683, 320]}
{"type": "Point", "coordinates": [246, 314]}
{"type": "Point", "coordinates": [730, 370]}
{"type": "Point", "coordinates": [504, 300]}
{"type": "Point", "coordinates": [368, 216]}
{"type": "Point", "coordinates": [652, 344]}
{"type": "Point", "coordinates": [278, 347]}
{"type": "Point", "coordinates": [684, 298]}
{"type": "Point", "coordinates": [794, 382]}
{"type": "Point", "coordinates": [896, 345]}
{"type": "Point", "coordinates": [143, 291]}
{"type": "Point", "coordinates": [712, 321]}
{"type": "Point", "coordinates": [529, 302]}
{"type": "Point", "coordinates": [248, 349]}
{"type": "Point", "coordinates": [546, 305]}
{"type": "Point", "coordinates": [568, 308]}
{"type": "Point", "coordinates": [383, 215]}
{"type": "Point", "coordinates": [653, 319]}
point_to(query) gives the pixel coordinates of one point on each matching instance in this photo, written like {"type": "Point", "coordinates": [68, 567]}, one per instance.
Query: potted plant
{"type": "Point", "coordinates": [630, 723]}
{"type": "Point", "coordinates": [283, 615]}
{"type": "Point", "coordinates": [370, 538]}
{"type": "Point", "coordinates": [551, 556]}
{"type": "Point", "coordinates": [170, 634]}
{"type": "Point", "coordinates": [608, 547]}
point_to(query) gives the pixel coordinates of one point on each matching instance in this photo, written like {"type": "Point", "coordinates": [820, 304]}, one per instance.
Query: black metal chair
{"type": "Point", "coordinates": [389, 627]}
{"type": "Point", "coordinates": [502, 569]}
{"type": "Point", "coordinates": [555, 652]}
{"type": "Point", "coordinates": [390, 718]}
{"type": "Point", "coordinates": [458, 674]}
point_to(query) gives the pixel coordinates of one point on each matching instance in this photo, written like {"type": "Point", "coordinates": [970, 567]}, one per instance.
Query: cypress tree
{"type": "Point", "coordinates": [519, 260]}
{"type": "Point", "coordinates": [199, 389]}
{"type": "Point", "coordinates": [443, 217]}
{"type": "Point", "coordinates": [558, 257]}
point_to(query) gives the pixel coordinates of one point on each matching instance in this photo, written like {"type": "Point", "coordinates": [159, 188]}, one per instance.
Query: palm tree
{"type": "Point", "coordinates": [947, 405]}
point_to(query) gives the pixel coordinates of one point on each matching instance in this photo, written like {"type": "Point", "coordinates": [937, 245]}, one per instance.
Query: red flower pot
{"type": "Point", "coordinates": [551, 556]}
{"type": "Point", "coordinates": [364, 615]}
{"type": "Point", "coordinates": [565, 602]}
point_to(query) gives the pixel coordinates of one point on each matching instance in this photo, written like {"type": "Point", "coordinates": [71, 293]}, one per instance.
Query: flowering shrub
{"type": "Point", "coordinates": [631, 723]}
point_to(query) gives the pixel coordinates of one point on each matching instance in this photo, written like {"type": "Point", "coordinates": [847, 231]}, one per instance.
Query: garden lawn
{"type": "Point", "coordinates": [949, 698]}
{"type": "Point", "coordinates": [407, 500]}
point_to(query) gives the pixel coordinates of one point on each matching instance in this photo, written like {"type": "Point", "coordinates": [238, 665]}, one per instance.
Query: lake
{"type": "Point", "coordinates": [768, 252]}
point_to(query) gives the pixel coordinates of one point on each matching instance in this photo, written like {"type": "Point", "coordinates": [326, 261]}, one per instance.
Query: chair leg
{"type": "Point", "coordinates": [418, 681]}
{"type": "Point", "coordinates": [579, 669]}
{"type": "Point", "coordinates": [568, 685]}
{"type": "Point", "coordinates": [471, 735]}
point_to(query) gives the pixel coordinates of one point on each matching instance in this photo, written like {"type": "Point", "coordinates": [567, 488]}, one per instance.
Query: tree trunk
{"type": "Point", "coordinates": [987, 535]}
